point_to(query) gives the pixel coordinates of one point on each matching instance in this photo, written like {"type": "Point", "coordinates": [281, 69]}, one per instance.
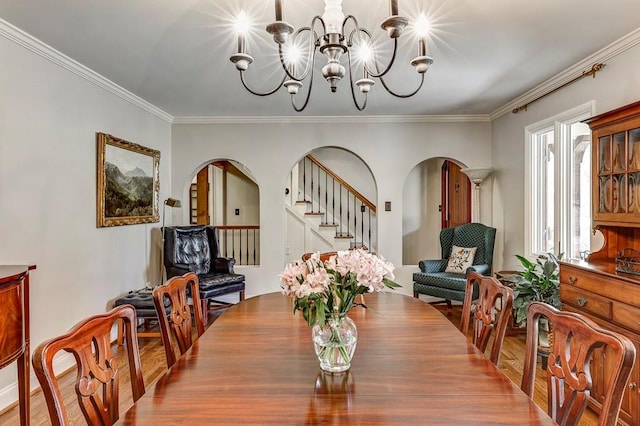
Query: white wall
{"type": "Point", "coordinates": [421, 216]}
{"type": "Point", "coordinates": [391, 150]}
{"type": "Point", "coordinates": [350, 169]}
{"type": "Point", "coordinates": [616, 85]}
{"type": "Point", "coordinates": [49, 117]}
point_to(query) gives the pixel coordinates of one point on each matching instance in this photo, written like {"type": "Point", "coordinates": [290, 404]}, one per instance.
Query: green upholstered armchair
{"type": "Point", "coordinates": [432, 280]}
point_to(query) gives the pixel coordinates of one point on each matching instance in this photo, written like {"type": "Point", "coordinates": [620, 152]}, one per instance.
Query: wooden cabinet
{"type": "Point", "coordinates": [594, 287]}
{"type": "Point", "coordinates": [616, 166]}
{"type": "Point", "coordinates": [14, 328]}
{"type": "Point", "coordinates": [612, 300]}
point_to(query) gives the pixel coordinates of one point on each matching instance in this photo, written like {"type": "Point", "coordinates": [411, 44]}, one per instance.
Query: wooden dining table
{"type": "Point", "coordinates": [256, 365]}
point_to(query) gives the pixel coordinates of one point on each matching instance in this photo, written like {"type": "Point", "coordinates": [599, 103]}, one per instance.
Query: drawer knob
{"type": "Point", "coordinates": [581, 301]}
{"type": "Point", "coordinates": [633, 385]}
{"type": "Point", "coordinates": [572, 279]}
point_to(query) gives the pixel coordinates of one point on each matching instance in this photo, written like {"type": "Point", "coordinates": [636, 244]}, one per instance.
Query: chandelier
{"type": "Point", "coordinates": [333, 34]}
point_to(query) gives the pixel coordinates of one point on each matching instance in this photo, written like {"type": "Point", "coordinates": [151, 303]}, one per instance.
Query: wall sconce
{"type": "Point", "coordinates": [477, 175]}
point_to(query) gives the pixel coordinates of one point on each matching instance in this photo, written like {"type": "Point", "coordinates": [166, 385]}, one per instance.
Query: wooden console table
{"type": "Point", "coordinates": [14, 328]}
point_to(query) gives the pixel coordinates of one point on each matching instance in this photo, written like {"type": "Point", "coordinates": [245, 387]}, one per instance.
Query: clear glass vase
{"type": "Point", "coordinates": [335, 343]}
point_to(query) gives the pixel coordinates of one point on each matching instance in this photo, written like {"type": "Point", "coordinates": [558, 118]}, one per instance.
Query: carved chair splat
{"type": "Point", "coordinates": [98, 377]}
{"type": "Point", "coordinates": [177, 326]}
{"type": "Point", "coordinates": [575, 337]}
{"type": "Point", "coordinates": [484, 319]}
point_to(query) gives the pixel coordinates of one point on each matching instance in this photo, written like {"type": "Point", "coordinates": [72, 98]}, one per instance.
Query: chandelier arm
{"type": "Point", "coordinates": [306, 101]}
{"type": "Point", "coordinates": [403, 96]}
{"type": "Point", "coordinates": [310, 56]}
{"type": "Point", "coordinates": [270, 92]}
{"type": "Point", "coordinates": [351, 86]}
{"type": "Point", "coordinates": [375, 60]}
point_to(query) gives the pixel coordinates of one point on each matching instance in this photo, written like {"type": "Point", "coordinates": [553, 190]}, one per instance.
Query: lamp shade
{"type": "Point", "coordinates": [477, 175]}
{"type": "Point", "coordinates": [173, 202]}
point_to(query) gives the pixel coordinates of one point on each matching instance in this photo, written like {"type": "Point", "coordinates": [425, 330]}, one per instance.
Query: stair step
{"type": "Point", "coordinates": [343, 236]}
{"type": "Point", "coordinates": [314, 214]}
{"type": "Point", "coordinates": [328, 225]}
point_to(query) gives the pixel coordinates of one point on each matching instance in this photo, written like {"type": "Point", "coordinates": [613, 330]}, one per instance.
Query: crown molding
{"type": "Point", "coordinates": [603, 55]}
{"type": "Point", "coordinates": [47, 52]}
{"type": "Point", "coordinates": [478, 118]}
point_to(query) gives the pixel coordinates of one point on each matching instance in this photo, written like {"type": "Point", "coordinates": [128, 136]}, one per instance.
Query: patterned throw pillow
{"type": "Point", "coordinates": [461, 258]}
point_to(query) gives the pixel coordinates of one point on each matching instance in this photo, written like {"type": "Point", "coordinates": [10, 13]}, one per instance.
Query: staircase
{"type": "Point", "coordinates": [325, 213]}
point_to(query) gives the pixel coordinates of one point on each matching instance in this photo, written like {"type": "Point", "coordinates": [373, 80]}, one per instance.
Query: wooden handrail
{"type": "Point", "coordinates": [349, 188]}
{"type": "Point", "coordinates": [237, 226]}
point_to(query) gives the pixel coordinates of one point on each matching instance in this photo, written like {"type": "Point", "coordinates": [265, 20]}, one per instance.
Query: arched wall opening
{"type": "Point", "coordinates": [330, 203]}
{"type": "Point", "coordinates": [421, 210]}
{"type": "Point", "coordinates": [224, 193]}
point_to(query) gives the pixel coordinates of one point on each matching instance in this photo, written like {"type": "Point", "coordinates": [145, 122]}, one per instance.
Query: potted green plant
{"type": "Point", "coordinates": [539, 281]}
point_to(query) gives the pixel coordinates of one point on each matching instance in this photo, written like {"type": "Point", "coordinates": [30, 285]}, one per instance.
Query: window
{"type": "Point", "coordinates": [558, 176]}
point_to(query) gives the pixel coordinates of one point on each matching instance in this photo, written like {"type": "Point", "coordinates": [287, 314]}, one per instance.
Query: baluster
{"type": "Point", "coordinates": [311, 191]}
{"type": "Point", "coordinates": [240, 245]}
{"type": "Point", "coordinates": [362, 207]}
{"type": "Point", "coordinates": [319, 192]}
{"type": "Point", "coordinates": [254, 247]}
{"type": "Point", "coordinates": [340, 210]}
{"type": "Point", "coordinates": [369, 233]}
{"type": "Point", "coordinates": [326, 198]}
{"type": "Point", "coordinates": [224, 233]}
{"type": "Point", "coordinates": [348, 214]}
{"type": "Point", "coordinates": [333, 200]}
{"type": "Point", "coordinates": [304, 179]}
{"type": "Point", "coordinates": [233, 243]}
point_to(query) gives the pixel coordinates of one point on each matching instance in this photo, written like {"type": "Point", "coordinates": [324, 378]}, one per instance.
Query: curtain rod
{"type": "Point", "coordinates": [592, 72]}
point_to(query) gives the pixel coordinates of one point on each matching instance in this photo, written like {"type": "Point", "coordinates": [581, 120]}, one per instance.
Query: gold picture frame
{"type": "Point", "coordinates": [128, 182]}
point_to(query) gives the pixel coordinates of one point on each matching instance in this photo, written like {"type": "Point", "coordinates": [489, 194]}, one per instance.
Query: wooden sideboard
{"type": "Point", "coordinates": [14, 328]}
{"type": "Point", "coordinates": [612, 300]}
{"type": "Point", "coordinates": [594, 287]}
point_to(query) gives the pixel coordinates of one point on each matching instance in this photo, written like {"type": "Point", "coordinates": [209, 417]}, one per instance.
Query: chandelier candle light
{"type": "Point", "coordinates": [326, 291]}
{"type": "Point", "coordinates": [328, 34]}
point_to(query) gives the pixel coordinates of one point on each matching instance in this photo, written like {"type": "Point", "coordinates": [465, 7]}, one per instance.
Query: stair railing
{"type": "Point", "coordinates": [241, 242]}
{"type": "Point", "coordinates": [342, 205]}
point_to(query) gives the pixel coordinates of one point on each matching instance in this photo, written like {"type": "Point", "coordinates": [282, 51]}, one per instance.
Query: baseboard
{"type": "Point", "coordinates": [9, 395]}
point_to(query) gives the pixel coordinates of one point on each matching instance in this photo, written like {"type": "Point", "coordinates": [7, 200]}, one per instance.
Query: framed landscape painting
{"type": "Point", "coordinates": [128, 182]}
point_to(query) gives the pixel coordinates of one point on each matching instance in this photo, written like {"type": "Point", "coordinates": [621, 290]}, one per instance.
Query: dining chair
{"type": "Point", "coordinates": [574, 338]}
{"type": "Point", "coordinates": [487, 320]}
{"type": "Point", "coordinates": [98, 375]}
{"type": "Point", "coordinates": [323, 256]}
{"type": "Point", "coordinates": [177, 327]}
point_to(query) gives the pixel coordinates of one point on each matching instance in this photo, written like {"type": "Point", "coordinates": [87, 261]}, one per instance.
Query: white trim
{"type": "Point", "coordinates": [603, 55]}
{"type": "Point", "coordinates": [36, 46]}
{"type": "Point", "coordinates": [478, 118]}
{"type": "Point", "coordinates": [587, 108]}
{"type": "Point", "coordinates": [8, 395]}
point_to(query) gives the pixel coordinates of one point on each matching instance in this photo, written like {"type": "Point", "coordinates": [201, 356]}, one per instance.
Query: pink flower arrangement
{"type": "Point", "coordinates": [322, 289]}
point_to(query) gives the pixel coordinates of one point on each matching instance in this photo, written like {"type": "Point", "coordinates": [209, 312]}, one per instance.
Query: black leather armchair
{"type": "Point", "coordinates": [432, 280]}
{"type": "Point", "coordinates": [195, 249]}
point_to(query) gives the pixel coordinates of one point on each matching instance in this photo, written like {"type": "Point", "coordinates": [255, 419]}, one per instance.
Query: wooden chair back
{"type": "Point", "coordinates": [98, 377]}
{"type": "Point", "coordinates": [323, 256]}
{"type": "Point", "coordinates": [568, 376]}
{"type": "Point", "coordinates": [486, 319]}
{"type": "Point", "coordinates": [177, 325]}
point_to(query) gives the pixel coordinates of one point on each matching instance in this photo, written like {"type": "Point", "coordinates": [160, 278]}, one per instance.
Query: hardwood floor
{"type": "Point", "coordinates": [154, 365]}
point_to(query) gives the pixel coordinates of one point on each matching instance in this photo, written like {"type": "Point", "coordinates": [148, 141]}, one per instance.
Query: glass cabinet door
{"type": "Point", "coordinates": [618, 171]}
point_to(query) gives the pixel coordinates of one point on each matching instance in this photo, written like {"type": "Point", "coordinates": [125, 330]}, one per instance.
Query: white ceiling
{"type": "Point", "coordinates": [174, 53]}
